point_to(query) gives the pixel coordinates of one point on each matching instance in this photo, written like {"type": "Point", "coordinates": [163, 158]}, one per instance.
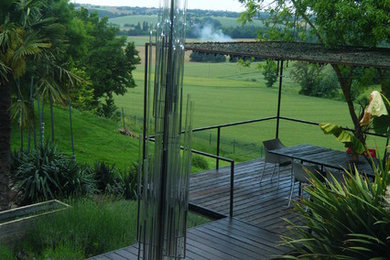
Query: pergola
{"type": "Point", "coordinates": [297, 51]}
{"type": "Point", "coordinates": [225, 238]}
{"type": "Point", "coordinates": [280, 51]}
{"type": "Point", "coordinates": [365, 57]}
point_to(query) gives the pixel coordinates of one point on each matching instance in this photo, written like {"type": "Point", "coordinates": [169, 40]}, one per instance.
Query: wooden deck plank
{"type": "Point", "coordinates": [259, 209]}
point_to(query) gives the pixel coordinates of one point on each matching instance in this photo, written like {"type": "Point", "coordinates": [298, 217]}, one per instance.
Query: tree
{"type": "Point", "coordinates": [308, 76]}
{"type": "Point", "coordinates": [18, 42]}
{"type": "Point", "coordinates": [107, 63]}
{"type": "Point", "coordinates": [270, 72]}
{"type": "Point", "coordinates": [332, 23]}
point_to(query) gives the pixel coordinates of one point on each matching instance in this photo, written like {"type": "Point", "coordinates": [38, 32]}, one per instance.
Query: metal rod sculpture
{"type": "Point", "coordinates": [164, 168]}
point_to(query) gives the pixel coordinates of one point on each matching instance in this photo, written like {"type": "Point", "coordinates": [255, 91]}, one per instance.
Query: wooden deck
{"type": "Point", "coordinates": [255, 229]}
{"type": "Point", "coordinates": [263, 205]}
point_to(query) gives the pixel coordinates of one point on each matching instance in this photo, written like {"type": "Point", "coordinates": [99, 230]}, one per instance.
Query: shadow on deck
{"type": "Point", "coordinates": [257, 223]}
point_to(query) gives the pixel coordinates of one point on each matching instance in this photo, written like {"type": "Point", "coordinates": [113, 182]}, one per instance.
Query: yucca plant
{"type": "Point", "coordinates": [48, 174]}
{"type": "Point", "coordinates": [344, 221]}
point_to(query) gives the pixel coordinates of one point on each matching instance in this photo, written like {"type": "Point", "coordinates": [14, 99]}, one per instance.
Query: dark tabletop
{"type": "Point", "coordinates": [325, 157]}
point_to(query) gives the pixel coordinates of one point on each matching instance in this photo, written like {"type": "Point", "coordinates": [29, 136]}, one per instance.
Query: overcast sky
{"type": "Point", "coordinates": [230, 5]}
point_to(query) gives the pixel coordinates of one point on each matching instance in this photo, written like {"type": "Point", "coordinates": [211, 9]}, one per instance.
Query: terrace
{"type": "Point", "coordinates": [249, 214]}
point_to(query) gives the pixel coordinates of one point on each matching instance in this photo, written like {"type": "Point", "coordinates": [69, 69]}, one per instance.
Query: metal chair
{"type": "Point", "coordinates": [274, 158]}
{"type": "Point", "coordinates": [299, 174]}
{"type": "Point", "coordinates": [337, 174]}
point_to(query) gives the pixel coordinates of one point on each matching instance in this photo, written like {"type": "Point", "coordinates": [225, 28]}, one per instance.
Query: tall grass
{"type": "Point", "coordinates": [92, 227]}
{"type": "Point", "coordinates": [88, 228]}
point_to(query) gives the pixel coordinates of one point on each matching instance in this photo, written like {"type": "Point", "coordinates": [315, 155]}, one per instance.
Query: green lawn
{"type": "Point", "coordinates": [227, 92]}
{"type": "Point", "coordinates": [95, 138]}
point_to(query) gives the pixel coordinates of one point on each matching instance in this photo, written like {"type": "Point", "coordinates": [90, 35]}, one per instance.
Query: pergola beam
{"type": "Point", "coordinates": [299, 51]}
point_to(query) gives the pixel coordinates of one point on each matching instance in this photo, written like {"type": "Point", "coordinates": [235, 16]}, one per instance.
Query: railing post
{"type": "Point", "coordinates": [279, 98]}
{"type": "Point", "coordinates": [218, 145]}
{"type": "Point", "coordinates": [231, 188]}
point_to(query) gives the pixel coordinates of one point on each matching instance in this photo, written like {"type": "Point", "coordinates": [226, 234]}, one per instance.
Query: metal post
{"type": "Point", "coordinates": [71, 130]}
{"type": "Point", "coordinates": [279, 98]}
{"type": "Point", "coordinates": [145, 99]}
{"type": "Point", "coordinates": [231, 188]}
{"type": "Point", "coordinates": [218, 145]}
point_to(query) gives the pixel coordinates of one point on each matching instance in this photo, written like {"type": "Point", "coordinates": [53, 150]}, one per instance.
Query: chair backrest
{"type": "Point", "coordinates": [337, 174]}
{"type": "Point", "coordinates": [273, 158]}
{"type": "Point", "coordinates": [299, 171]}
{"type": "Point", "coordinates": [272, 144]}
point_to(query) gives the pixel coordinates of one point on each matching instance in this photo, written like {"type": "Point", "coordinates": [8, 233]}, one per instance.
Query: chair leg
{"type": "Point", "coordinates": [291, 193]}
{"type": "Point", "coordinates": [278, 175]}
{"type": "Point", "coordinates": [262, 174]}
{"type": "Point", "coordinates": [300, 189]}
{"type": "Point", "coordinates": [273, 172]}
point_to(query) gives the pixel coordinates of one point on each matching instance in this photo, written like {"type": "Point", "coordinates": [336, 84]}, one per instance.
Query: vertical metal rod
{"type": "Point", "coordinates": [71, 130]}
{"type": "Point", "coordinates": [40, 121]}
{"type": "Point", "coordinates": [279, 98]}
{"type": "Point", "coordinates": [144, 137]}
{"type": "Point", "coordinates": [165, 154]}
{"type": "Point", "coordinates": [231, 188]}
{"type": "Point", "coordinates": [123, 118]}
{"type": "Point", "coordinates": [145, 98]}
{"type": "Point", "coordinates": [51, 118]}
{"type": "Point", "coordinates": [33, 113]}
{"type": "Point", "coordinates": [218, 145]}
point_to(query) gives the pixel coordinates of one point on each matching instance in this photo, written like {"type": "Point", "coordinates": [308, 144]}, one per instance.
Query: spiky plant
{"type": "Point", "coordinates": [344, 221]}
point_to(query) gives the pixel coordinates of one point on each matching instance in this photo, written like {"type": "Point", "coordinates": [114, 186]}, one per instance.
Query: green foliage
{"type": "Point", "coordinates": [104, 175]}
{"type": "Point", "coordinates": [48, 174]}
{"type": "Point", "coordinates": [199, 162]}
{"type": "Point", "coordinates": [63, 250]}
{"type": "Point", "coordinates": [111, 181]}
{"type": "Point", "coordinates": [315, 80]}
{"type": "Point", "coordinates": [308, 77]}
{"type": "Point", "coordinates": [130, 182]}
{"type": "Point", "coordinates": [6, 253]}
{"type": "Point", "coordinates": [112, 77]}
{"type": "Point", "coordinates": [81, 94]}
{"type": "Point", "coordinates": [343, 136]}
{"type": "Point", "coordinates": [270, 73]}
{"type": "Point", "coordinates": [349, 221]}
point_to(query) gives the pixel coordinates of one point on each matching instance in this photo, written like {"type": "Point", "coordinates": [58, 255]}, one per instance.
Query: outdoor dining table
{"type": "Point", "coordinates": [326, 157]}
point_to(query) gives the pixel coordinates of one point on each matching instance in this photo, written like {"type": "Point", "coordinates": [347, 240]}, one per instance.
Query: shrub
{"type": "Point", "coordinates": [200, 162]}
{"type": "Point", "coordinates": [104, 175]}
{"type": "Point", "coordinates": [47, 174]}
{"type": "Point", "coordinates": [110, 181]}
{"type": "Point", "coordinates": [130, 182]}
{"type": "Point", "coordinates": [350, 221]}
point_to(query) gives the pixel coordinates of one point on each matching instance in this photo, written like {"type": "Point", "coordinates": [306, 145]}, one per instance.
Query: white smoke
{"type": "Point", "coordinates": [209, 33]}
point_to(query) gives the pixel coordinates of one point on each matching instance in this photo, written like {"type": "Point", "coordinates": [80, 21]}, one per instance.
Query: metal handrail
{"type": "Point", "coordinates": [231, 161]}
{"type": "Point", "coordinates": [315, 123]}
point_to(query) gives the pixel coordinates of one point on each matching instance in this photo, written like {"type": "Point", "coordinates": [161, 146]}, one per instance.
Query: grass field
{"type": "Point", "coordinates": [227, 92]}
{"type": "Point", "coordinates": [95, 138]}
{"type": "Point", "coordinates": [133, 19]}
